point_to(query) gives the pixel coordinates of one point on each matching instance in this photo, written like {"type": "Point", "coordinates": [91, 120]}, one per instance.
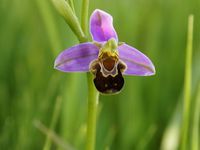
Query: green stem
{"type": "Point", "coordinates": [93, 97]}
{"type": "Point", "coordinates": [187, 85]}
{"type": "Point", "coordinates": [93, 94]}
{"type": "Point", "coordinates": [84, 16]}
{"type": "Point", "coordinates": [71, 3]}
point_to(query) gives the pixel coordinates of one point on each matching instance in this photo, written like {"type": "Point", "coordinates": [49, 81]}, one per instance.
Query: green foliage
{"type": "Point", "coordinates": [145, 115]}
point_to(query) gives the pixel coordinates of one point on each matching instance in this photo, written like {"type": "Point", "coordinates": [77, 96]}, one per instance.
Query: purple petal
{"type": "Point", "coordinates": [101, 26]}
{"type": "Point", "coordinates": [137, 63]}
{"type": "Point", "coordinates": [76, 58]}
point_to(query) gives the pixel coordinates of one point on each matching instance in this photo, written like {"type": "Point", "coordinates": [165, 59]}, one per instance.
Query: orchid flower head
{"type": "Point", "coordinates": [106, 58]}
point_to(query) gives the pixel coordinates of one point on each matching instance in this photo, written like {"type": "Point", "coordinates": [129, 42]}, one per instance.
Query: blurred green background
{"type": "Point", "coordinates": [145, 115]}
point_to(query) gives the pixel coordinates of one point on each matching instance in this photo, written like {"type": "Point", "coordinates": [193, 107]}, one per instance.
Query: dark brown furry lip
{"type": "Point", "coordinates": [109, 84]}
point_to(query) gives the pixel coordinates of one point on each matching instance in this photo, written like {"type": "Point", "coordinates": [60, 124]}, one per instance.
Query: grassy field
{"type": "Point", "coordinates": [42, 108]}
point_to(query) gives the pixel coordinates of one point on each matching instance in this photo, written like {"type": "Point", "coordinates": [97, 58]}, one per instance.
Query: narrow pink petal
{"type": "Point", "coordinates": [137, 63]}
{"type": "Point", "coordinates": [101, 26]}
{"type": "Point", "coordinates": [76, 58]}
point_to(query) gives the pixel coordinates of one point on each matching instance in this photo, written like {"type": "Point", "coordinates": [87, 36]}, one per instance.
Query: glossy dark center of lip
{"type": "Point", "coordinates": [109, 63]}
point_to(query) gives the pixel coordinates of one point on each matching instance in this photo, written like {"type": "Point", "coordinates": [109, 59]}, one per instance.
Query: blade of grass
{"type": "Point", "coordinates": [147, 137]}
{"type": "Point", "coordinates": [56, 112]}
{"type": "Point", "coordinates": [171, 134]}
{"type": "Point", "coordinates": [195, 128]}
{"type": "Point", "coordinates": [49, 23]}
{"type": "Point", "coordinates": [57, 140]}
{"type": "Point", "coordinates": [187, 85]}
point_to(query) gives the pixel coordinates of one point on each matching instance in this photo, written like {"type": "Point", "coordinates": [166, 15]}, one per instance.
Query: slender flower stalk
{"type": "Point", "coordinates": [84, 16]}
{"type": "Point", "coordinates": [93, 94]}
{"type": "Point", "coordinates": [93, 98]}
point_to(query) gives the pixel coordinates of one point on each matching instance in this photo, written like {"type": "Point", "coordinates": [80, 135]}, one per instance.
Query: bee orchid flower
{"type": "Point", "coordinates": [106, 58]}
